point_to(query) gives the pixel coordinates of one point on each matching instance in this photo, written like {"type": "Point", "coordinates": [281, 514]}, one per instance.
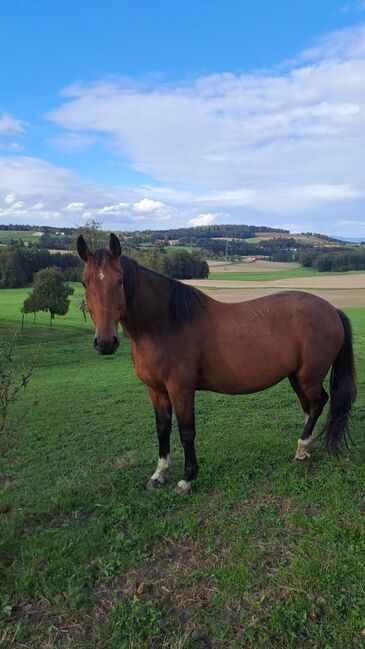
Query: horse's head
{"type": "Point", "coordinates": [103, 282]}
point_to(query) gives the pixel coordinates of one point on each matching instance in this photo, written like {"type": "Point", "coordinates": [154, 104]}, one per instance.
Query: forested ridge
{"type": "Point", "coordinates": [161, 250]}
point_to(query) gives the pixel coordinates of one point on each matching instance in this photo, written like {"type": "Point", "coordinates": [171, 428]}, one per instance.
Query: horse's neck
{"type": "Point", "coordinates": [149, 309]}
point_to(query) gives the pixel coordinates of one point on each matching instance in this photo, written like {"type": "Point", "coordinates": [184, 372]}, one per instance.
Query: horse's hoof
{"type": "Point", "coordinates": [152, 484]}
{"type": "Point", "coordinates": [302, 461]}
{"type": "Point", "coordinates": [183, 487]}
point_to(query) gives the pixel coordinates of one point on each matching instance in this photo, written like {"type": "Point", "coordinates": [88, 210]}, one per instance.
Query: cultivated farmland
{"type": "Point", "coordinates": [263, 554]}
{"type": "Point", "coordinates": [228, 285]}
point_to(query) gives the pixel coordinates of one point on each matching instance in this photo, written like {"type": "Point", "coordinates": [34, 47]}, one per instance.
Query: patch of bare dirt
{"type": "Point", "coordinates": [282, 557]}
{"type": "Point", "coordinates": [170, 580]}
{"type": "Point", "coordinates": [164, 580]}
{"type": "Point", "coordinates": [280, 504]}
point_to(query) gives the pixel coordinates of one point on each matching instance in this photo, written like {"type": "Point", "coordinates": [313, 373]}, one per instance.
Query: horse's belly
{"type": "Point", "coordinates": [247, 373]}
{"type": "Point", "coordinates": [240, 386]}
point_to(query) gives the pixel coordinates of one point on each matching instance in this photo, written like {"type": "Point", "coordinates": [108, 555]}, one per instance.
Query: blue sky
{"type": "Point", "coordinates": [156, 114]}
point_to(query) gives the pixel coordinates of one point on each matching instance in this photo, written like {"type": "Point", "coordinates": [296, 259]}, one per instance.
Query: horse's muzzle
{"type": "Point", "coordinates": [106, 347]}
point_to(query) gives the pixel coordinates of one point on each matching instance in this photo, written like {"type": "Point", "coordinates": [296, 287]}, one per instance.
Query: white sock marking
{"type": "Point", "coordinates": [162, 468]}
{"type": "Point", "coordinates": [302, 452]}
{"type": "Point", "coordinates": [184, 485]}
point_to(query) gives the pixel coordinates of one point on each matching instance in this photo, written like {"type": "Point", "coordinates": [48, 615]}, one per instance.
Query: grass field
{"type": "Point", "coordinates": [19, 235]}
{"type": "Point", "coordinates": [267, 276]}
{"type": "Point", "coordinates": [263, 554]}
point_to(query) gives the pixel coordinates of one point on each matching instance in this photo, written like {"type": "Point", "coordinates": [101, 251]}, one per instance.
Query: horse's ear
{"type": "Point", "coordinates": [114, 246]}
{"type": "Point", "coordinates": [83, 249]}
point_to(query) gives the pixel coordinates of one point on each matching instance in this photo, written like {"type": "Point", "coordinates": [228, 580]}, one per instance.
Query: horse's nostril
{"type": "Point", "coordinates": [95, 342]}
{"type": "Point", "coordinates": [115, 341]}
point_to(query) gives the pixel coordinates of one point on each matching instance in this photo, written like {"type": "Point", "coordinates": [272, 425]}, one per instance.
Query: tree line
{"type": "Point", "coordinates": [179, 264]}
{"type": "Point", "coordinates": [18, 264]}
{"type": "Point", "coordinates": [340, 260]}
{"type": "Point", "coordinates": [196, 235]}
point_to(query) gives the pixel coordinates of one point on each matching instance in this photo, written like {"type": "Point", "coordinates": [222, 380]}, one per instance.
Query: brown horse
{"type": "Point", "coordinates": [183, 340]}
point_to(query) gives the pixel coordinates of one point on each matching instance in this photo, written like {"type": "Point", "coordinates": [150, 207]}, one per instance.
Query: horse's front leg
{"type": "Point", "coordinates": [183, 405]}
{"type": "Point", "coordinates": [163, 411]}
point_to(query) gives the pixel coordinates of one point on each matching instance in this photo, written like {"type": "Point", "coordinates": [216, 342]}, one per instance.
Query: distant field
{"type": "Point", "coordinates": [343, 290]}
{"type": "Point", "coordinates": [263, 554]}
{"type": "Point", "coordinates": [180, 248]}
{"type": "Point", "coordinates": [263, 276]}
{"type": "Point", "coordinates": [300, 237]}
{"type": "Point", "coordinates": [253, 240]}
{"type": "Point", "coordinates": [19, 235]}
{"type": "Point", "coordinates": [168, 248]}
{"type": "Point", "coordinates": [257, 266]}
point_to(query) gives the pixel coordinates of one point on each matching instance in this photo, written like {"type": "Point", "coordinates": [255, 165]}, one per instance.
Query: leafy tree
{"type": "Point", "coordinates": [185, 265]}
{"type": "Point", "coordinates": [49, 294]}
{"type": "Point", "coordinates": [93, 234]}
{"type": "Point", "coordinates": [30, 305]}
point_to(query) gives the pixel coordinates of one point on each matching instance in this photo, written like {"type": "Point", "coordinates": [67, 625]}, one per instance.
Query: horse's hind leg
{"type": "Point", "coordinates": [313, 398]}
{"type": "Point", "coordinates": [163, 414]}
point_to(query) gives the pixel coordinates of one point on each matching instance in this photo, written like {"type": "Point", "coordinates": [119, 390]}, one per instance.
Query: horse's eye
{"type": "Point", "coordinates": [120, 281]}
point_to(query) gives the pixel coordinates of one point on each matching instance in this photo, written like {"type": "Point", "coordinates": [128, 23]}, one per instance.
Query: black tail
{"type": "Point", "coordinates": [343, 393]}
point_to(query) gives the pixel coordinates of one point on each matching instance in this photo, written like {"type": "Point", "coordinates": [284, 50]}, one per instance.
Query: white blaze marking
{"type": "Point", "coordinates": [162, 468]}
{"type": "Point", "coordinates": [101, 275]}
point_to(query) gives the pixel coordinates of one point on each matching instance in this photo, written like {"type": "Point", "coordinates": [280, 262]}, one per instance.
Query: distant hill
{"type": "Point", "coordinates": [350, 239]}
{"type": "Point", "coordinates": [215, 240]}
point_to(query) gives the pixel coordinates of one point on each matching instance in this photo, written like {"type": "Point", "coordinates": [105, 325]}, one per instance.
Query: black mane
{"type": "Point", "coordinates": [186, 302]}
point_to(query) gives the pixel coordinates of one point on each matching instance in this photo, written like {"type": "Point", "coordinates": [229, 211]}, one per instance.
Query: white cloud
{"type": "Point", "coordinates": [330, 192]}
{"type": "Point", "coordinates": [236, 131]}
{"type": "Point", "coordinates": [275, 142]}
{"type": "Point", "coordinates": [275, 147]}
{"type": "Point", "coordinates": [75, 207]}
{"type": "Point", "coordinates": [34, 191]}
{"type": "Point", "coordinates": [10, 125]}
{"type": "Point", "coordinates": [117, 209]}
{"type": "Point", "coordinates": [147, 205]}
{"type": "Point", "coordinates": [202, 219]}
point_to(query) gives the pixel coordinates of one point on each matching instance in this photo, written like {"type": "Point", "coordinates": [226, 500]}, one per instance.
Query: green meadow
{"type": "Point", "coordinates": [28, 236]}
{"type": "Point", "coordinates": [263, 553]}
{"type": "Point", "coordinates": [268, 276]}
